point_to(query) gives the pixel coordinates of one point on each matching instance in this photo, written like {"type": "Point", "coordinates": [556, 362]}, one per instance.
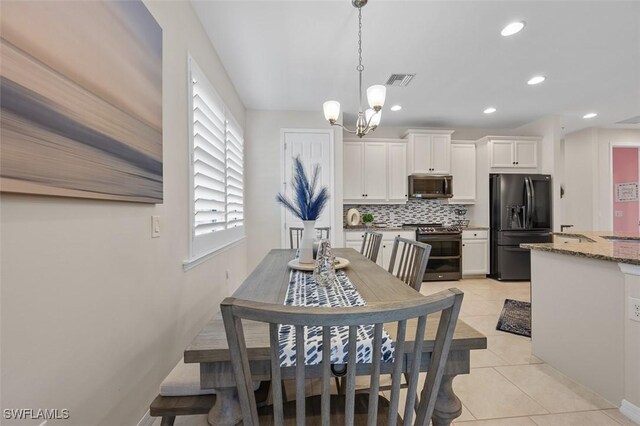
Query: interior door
{"type": "Point", "coordinates": [313, 148]}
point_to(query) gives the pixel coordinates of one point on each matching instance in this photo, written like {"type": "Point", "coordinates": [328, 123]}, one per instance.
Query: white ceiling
{"type": "Point", "coordinates": [294, 55]}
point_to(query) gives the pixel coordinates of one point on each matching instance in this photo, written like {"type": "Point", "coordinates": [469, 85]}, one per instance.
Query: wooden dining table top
{"type": "Point", "coordinates": [269, 282]}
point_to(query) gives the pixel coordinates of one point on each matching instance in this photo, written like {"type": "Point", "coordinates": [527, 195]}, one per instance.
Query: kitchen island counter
{"type": "Point", "coordinates": [580, 315]}
{"type": "Point", "coordinates": [609, 246]}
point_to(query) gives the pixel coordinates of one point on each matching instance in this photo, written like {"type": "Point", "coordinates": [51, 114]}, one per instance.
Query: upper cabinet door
{"type": "Point", "coordinates": [441, 154]}
{"type": "Point", "coordinates": [375, 176]}
{"type": "Point", "coordinates": [502, 154]}
{"type": "Point", "coordinates": [463, 170]}
{"type": "Point", "coordinates": [397, 171]}
{"type": "Point", "coordinates": [420, 154]}
{"type": "Point", "coordinates": [353, 173]}
{"type": "Point", "coordinates": [526, 154]}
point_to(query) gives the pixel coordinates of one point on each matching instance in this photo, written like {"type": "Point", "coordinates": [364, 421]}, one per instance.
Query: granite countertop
{"type": "Point", "coordinates": [611, 246]}
{"type": "Point", "coordinates": [476, 228]}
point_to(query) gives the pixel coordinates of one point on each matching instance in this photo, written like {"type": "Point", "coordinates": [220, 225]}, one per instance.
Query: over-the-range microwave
{"type": "Point", "coordinates": [430, 186]}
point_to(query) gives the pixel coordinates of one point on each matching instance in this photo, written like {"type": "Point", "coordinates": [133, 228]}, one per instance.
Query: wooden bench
{"type": "Point", "coordinates": [180, 395]}
{"type": "Point", "coordinates": [168, 407]}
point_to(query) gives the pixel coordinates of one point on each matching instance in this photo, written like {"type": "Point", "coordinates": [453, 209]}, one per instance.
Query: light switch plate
{"type": "Point", "coordinates": [619, 213]}
{"type": "Point", "coordinates": [155, 226]}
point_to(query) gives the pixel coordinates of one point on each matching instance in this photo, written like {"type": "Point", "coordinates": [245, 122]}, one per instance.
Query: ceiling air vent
{"type": "Point", "coordinates": [632, 120]}
{"type": "Point", "coordinates": [399, 80]}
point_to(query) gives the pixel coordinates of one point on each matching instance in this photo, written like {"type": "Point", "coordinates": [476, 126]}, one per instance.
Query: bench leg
{"type": "Point", "coordinates": [167, 420]}
{"type": "Point", "coordinates": [226, 411]}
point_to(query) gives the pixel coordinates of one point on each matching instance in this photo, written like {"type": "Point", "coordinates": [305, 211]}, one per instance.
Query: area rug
{"type": "Point", "coordinates": [515, 318]}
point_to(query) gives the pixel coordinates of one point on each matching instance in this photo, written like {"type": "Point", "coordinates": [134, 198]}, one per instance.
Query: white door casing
{"type": "Point", "coordinates": [313, 147]}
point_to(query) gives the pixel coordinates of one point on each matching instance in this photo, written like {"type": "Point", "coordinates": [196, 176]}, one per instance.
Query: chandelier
{"type": "Point", "coordinates": [370, 119]}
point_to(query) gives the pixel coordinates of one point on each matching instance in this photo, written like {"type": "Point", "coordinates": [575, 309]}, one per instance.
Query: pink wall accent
{"type": "Point", "coordinates": [625, 169]}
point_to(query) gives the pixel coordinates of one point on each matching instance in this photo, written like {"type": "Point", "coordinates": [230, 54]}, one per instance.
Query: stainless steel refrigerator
{"type": "Point", "coordinates": [520, 212]}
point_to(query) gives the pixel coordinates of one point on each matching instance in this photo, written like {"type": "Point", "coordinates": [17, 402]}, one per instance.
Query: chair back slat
{"type": "Point", "coordinates": [409, 260]}
{"type": "Point", "coordinates": [374, 384]}
{"type": "Point", "coordinates": [396, 376]}
{"type": "Point", "coordinates": [414, 370]}
{"type": "Point", "coordinates": [326, 376]}
{"type": "Point", "coordinates": [351, 376]}
{"type": "Point", "coordinates": [371, 245]}
{"type": "Point", "coordinates": [403, 315]}
{"type": "Point", "coordinates": [276, 376]}
{"type": "Point", "coordinates": [295, 235]}
{"type": "Point", "coordinates": [300, 379]}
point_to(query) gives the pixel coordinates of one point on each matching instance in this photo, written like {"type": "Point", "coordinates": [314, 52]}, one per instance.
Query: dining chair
{"type": "Point", "coordinates": [295, 235]}
{"type": "Point", "coordinates": [409, 261]}
{"type": "Point", "coordinates": [352, 407]}
{"type": "Point", "coordinates": [371, 245]}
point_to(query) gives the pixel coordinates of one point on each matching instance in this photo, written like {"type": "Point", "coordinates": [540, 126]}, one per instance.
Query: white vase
{"type": "Point", "coordinates": [306, 243]}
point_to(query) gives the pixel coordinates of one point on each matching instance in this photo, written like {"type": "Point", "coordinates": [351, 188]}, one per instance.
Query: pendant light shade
{"type": "Point", "coordinates": [331, 110]}
{"type": "Point", "coordinates": [376, 95]}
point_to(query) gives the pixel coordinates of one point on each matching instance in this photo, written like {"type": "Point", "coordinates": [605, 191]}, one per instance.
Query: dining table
{"type": "Point", "coordinates": [269, 282]}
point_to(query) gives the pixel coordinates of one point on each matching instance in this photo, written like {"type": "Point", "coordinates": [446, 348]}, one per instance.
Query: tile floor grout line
{"type": "Point", "coordinates": [524, 391]}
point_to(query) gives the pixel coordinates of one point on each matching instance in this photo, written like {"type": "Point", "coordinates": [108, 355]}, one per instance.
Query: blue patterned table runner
{"type": "Point", "coordinates": [303, 291]}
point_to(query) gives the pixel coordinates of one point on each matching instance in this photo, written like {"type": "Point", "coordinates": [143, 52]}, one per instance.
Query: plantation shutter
{"type": "Point", "coordinates": [217, 169]}
{"type": "Point", "coordinates": [235, 170]}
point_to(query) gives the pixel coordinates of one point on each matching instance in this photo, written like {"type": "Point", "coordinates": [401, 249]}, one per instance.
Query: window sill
{"type": "Point", "coordinates": [197, 260]}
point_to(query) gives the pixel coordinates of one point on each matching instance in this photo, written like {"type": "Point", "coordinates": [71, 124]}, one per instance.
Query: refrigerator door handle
{"type": "Point", "coordinates": [528, 204]}
{"type": "Point", "coordinates": [533, 202]}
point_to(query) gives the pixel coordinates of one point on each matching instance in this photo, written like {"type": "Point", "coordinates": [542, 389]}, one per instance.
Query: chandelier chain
{"type": "Point", "coordinates": [360, 68]}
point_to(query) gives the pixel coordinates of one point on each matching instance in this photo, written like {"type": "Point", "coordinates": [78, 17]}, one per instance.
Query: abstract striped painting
{"type": "Point", "coordinates": [81, 100]}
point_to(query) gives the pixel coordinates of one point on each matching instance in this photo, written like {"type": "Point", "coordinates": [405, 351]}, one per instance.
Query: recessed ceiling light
{"type": "Point", "coordinates": [590, 115]}
{"type": "Point", "coordinates": [536, 80]}
{"type": "Point", "coordinates": [512, 28]}
{"type": "Point", "coordinates": [396, 108]}
{"type": "Point", "coordinates": [489, 110]}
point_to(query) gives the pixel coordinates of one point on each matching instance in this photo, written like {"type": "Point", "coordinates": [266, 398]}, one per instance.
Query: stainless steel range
{"type": "Point", "coordinates": [445, 260]}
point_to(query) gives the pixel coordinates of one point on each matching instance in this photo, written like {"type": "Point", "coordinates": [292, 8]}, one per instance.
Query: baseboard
{"type": "Point", "coordinates": [630, 411]}
{"type": "Point", "coordinates": [146, 420]}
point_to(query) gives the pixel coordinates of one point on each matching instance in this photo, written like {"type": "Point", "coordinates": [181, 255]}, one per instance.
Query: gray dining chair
{"type": "Point", "coordinates": [371, 245]}
{"type": "Point", "coordinates": [409, 261]}
{"type": "Point", "coordinates": [295, 235]}
{"type": "Point", "coordinates": [407, 320]}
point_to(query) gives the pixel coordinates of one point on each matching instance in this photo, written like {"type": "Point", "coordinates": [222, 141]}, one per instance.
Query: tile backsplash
{"type": "Point", "coordinates": [414, 211]}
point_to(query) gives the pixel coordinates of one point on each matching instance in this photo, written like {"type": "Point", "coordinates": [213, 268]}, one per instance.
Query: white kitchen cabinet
{"type": "Point", "coordinates": [475, 252]}
{"type": "Point", "coordinates": [397, 171]}
{"type": "Point", "coordinates": [429, 152]}
{"type": "Point", "coordinates": [375, 171]}
{"type": "Point", "coordinates": [463, 170]}
{"type": "Point", "coordinates": [353, 175]}
{"type": "Point", "coordinates": [513, 154]}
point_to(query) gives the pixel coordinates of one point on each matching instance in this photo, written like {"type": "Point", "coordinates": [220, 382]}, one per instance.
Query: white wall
{"type": "Point", "coordinates": [587, 165]}
{"type": "Point", "coordinates": [550, 159]}
{"type": "Point", "coordinates": [263, 176]}
{"type": "Point", "coordinates": [95, 313]}
{"type": "Point", "coordinates": [580, 181]}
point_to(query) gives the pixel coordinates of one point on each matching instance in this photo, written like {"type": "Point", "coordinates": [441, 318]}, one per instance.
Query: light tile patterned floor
{"type": "Point", "coordinates": [508, 386]}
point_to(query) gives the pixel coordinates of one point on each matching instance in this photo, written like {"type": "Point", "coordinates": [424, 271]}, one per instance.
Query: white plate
{"type": "Point", "coordinates": [341, 262]}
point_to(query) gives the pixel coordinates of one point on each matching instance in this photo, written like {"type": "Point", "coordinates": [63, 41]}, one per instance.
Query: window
{"type": "Point", "coordinates": [217, 159]}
